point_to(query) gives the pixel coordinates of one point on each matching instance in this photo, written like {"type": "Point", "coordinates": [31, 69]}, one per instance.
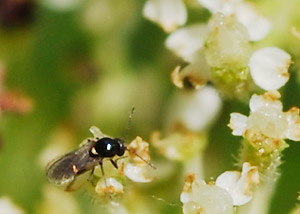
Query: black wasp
{"type": "Point", "coordinates": [63, 170]}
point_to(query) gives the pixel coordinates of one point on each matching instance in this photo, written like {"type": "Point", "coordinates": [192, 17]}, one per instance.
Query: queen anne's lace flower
{"type": "Point", "coordinates": [267, 125]}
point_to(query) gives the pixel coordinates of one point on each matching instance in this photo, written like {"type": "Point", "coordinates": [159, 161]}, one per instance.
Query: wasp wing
{"type": "Point", "coordinates": [63, 170]}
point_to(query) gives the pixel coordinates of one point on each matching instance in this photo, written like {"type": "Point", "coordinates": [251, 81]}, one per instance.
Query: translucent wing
{"type": "Point", "coordinates": [63, 170]}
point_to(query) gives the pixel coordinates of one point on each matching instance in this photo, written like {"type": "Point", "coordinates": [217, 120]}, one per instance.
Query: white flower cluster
{"type": "Point", "coordinates": [267, 125]}
{"type": "Point", "coordinates": [232, 188]}
{"type": "Point", "coordinates": [270, 63]}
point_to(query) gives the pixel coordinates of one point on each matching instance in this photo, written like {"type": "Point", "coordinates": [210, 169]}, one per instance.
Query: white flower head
{"type": "Point", "coordinates": [8, 207]}
{"type": "Point", "coordinates": [109, 185]}
{"type": "Point", "coordinates": [199, 197]}
{"type": "Point", "coordinates": [169, 14]}
{"type": "Point", "coordinates": [267, 125]}
{"type": "Point", "coordinates": [239, 184]}
{"type": "Point", "coordinates": [269, 68]}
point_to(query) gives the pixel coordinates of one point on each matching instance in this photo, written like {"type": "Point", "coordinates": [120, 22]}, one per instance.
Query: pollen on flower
{"type": "Point", "coordinates": [199, 197]}
{"type": "Point", "coordinates": [227, 50]}
{"type": "Point", "coordinates": [139, 152]}
{"type": "Point", "coordinates": [111, 186]}
{"type": "Point", "coordinates": [267, 125]}
{"type": "Point", "coordinates": [191, 75]}
{"type": "Point", "coordinates": [141, 148]}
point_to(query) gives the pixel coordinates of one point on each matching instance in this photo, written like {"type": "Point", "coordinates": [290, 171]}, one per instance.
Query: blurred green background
{"type": "Point", "coordinates": [87, 63]}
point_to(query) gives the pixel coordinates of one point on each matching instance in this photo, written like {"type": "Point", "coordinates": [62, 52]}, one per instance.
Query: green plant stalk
{"type": "Point", "coordinates": [268, 164]}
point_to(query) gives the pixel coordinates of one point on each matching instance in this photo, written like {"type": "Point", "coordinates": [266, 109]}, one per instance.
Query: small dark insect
{"type": "Point", "coordinates": [63, 170]}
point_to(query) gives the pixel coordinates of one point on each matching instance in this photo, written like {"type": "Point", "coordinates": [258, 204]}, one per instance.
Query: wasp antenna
{"type": "Point", "coordinates": [146, 161]}
{"type": "Point", "coordinates": [126, 133]}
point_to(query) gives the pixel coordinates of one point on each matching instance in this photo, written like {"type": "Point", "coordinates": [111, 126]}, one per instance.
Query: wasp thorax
{"type": "Point", "coordinates": [107, 147]}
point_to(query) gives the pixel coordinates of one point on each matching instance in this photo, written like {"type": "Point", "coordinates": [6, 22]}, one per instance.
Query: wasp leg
{"type": "Point", "coordinates": [90, 178]}
{"type": "Point", "coordinates": [69, 187]}
{"type": "Point", "coordinates": [105, 182]}
{"type": "Point", "coordinates": [114, 163]}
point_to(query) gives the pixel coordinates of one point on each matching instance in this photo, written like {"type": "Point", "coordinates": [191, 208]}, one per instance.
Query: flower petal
{"type": "Point", "coordinates": [238, 123]}
{"type": "Point", "coordinates": [269, 68]}
{"type": "Point", "coordinates": [185, 42]}
{"type": "Point", "coordinates": [111, 186]}
{"type": "Point", "coordinates": [169, 14]}
{"type": "Point", "coordinates": [239, 184]}
{"type": "Point", "coordinates": [257, 25]}
{"type": "Point", "coordinates": [136, 173]}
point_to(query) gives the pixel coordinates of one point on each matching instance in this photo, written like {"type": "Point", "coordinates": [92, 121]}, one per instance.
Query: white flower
{"type": "Point", "coordinates": [196, 109]}
{"type": "Point", "coordinates": [257, 26]}
{"type": "Point", "coordinates": [109, 185]}
{"type": "Point", "coordinates": [199, 197]}
{"type": "Point", "coordinates": [239, 184]}
{"type": "Point", "coordinates": [169, 14]}
{"type": "Point", "coordinates": [186, 42]}
{"type": "Point", "coordinates": [8, 207]}
{"type": "Point", "coordinates": [139, 152]}
{"type": "Point", "coordinates": [267, 125]}
{"type": "Point", "coordinates": [269, 68]}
